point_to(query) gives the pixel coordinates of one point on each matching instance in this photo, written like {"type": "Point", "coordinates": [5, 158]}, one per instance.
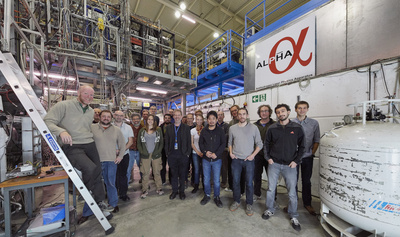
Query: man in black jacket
{"type": "Point", "coordinates": [283, 149]}
{"type": "Point", "coordinates": [212, 143]}
{"type": "Point", "coordinates": [178, 148]}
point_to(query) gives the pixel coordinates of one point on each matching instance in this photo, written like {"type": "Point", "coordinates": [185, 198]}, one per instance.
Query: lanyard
{"type": "Point", "coordinates": [176, 132]}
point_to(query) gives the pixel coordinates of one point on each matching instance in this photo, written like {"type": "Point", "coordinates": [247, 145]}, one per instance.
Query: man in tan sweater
{"type": "Point", "coordinates": [110, 143]}
{"type": "Point", "coordinates": [70, 121]}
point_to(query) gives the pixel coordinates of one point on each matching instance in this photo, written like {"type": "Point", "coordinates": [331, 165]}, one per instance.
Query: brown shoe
{"type": "Point", "coordinates": [310, 210]}
{"type": "Point", "coordinates": [285, 209]}
{"type": "Point", "coordinates": [83, 219]}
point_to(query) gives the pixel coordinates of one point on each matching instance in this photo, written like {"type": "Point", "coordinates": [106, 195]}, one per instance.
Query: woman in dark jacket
{"type": "Point", "coordinates": [150, 143]}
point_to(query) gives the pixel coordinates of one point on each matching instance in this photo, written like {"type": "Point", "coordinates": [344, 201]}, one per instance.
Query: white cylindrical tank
{"type": "Point", "coordinates": [360, 175]}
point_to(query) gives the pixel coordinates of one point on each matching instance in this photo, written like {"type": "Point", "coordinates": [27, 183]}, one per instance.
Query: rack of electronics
{"type": "Point", "coordinates": [151, 46]}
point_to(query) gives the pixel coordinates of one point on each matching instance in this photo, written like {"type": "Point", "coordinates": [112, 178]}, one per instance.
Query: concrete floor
{"type": "Point", "coordinates": [159, 216]}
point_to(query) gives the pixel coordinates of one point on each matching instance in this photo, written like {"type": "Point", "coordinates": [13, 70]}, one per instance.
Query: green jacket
{"type": "Point", "coordinates": [263, 131]}
{"type": "Point", "coordinates": [141, 144]}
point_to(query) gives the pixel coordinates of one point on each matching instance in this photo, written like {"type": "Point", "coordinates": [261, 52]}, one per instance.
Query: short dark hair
{"type": "Point", "coordinates": [136, 115]}
{"type": "Point", "coordinates": [269, 108]}
{"type": "Point", "coordinates": [168, 115]}
{"type": "Point", "coordinates": [212, 112]}
{"type": "Point", "coordinates": [106, 111]}
{"type": "Point", "coordinates": [243, 108]}
{"type": "Point", "coordinates": [282, 105]}
{"type": "Point", "coordinates": [302, 102]}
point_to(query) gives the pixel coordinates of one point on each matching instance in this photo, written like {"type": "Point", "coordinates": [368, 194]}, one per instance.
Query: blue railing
{"type": "Point", "coordinates": [226, 48]}
{"type": "Point", "coordinates": [248, 32]}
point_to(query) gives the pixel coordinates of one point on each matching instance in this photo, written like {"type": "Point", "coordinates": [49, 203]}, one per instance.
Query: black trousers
{"type": "Point", "coordinates": [178, 163]}
{"type": "Point", "coordinates": [260, 164]}
{"type": "Point", "coordinates": [163, 171]}
{"type": "Point", "coordinates": [85, 158]}
{"type": "Point", "coordinates": [121, 181]}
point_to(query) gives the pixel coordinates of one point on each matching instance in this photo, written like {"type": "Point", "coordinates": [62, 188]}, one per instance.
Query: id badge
{"type": "Point", "coordinates": [176, 146]}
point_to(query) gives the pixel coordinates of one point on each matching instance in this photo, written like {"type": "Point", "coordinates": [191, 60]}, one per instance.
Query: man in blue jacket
{"type": "Point", "coordinates": [283, 149]}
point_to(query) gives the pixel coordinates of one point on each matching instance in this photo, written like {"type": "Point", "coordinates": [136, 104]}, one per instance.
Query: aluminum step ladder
{"type": "Point", "coordinates": [23, 90]}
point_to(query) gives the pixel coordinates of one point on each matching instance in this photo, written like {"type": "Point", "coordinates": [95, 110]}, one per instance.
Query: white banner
{"type": "Point", "coordinates": [287, 55]}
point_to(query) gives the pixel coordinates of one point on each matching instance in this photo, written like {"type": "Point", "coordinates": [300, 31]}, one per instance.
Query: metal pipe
{"type": "Point", "coordinates": [75, 56]}
{"type": "Point", "coordinates": [74, 51]}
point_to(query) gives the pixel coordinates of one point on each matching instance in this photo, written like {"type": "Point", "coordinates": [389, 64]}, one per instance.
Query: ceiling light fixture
{"type": "Point", "coordinates": [138, 98]}
{"type": "Point", "coordinates": [61, 90]}
{"type": "Point", "coordinates": [177, 14]}
{"type": "Point", "coordinates": [151, 90]}
{"type": "Point", "coordinates": [188, 18]}
{"type": "Point", "coordinates": [182, 5]}
{"type": "Point", "coordinates": [216, 35]}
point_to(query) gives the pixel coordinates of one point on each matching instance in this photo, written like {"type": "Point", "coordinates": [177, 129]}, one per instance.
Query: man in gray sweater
{"type": "Point", "coordinates": [70, 121]}
{"type": "Point", "coordinates": [243, 137]}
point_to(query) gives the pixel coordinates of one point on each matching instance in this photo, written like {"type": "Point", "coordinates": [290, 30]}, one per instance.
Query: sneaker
{"type": "Point", "coordinates": [144, 194]}
{"type": "Point", "coordinates": [295, 224]}
{"type": "Point", "coordinates": [205, 200]}
{"type": "Point", "coordinates": [267, 214]}
{"type": "Point", "coordinates": [255, 198]}
{"type": "Point", "coordinates": [234, 206]}
{"type": "Point", "coordinates": [249, 210]}
{"type": "Point", "coordinates": [105, 207]}
{"type": "Point", "coordinates": [160, 192]}
{"type": "Point", "coordinates": [218, 202]}
{"type": "Point", "coordinates": [228, 190]}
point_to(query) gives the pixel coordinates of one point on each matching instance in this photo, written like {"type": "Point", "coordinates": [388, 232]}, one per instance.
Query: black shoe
{"type": "Point", "coordinates": [173, 195]}
{"type": "Point", "coordinates": [196, 188]}
{"type": "Point", "coordinates": [125, 198]}
{"type": "Point", "coordinates": [83, 219]}
{"type": "Point", "coordinates": [182, 195]}
{"type": "Point", "coordinates": [205, 200]}
{"type": "Point", "coordinates": [116, 209]}
{"type": "Point", "coordinates": [218, 202]}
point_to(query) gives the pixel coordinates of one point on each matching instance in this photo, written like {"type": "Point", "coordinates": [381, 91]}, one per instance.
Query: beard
{"type": "Point", "coordinates": [105, 123]}
{"type": "Point", "coordinates": [283, 118]}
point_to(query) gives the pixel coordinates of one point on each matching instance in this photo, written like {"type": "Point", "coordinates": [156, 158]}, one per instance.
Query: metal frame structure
{"type": "Point", "coordinates": [21, 87]}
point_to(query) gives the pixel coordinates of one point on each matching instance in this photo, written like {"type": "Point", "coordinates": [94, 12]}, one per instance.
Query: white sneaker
{"type": "Point", "coordinates": [295, 224]}
{"type": "Point", "coordinates": [228, 190]}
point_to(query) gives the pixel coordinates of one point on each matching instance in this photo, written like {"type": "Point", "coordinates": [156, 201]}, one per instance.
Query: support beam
{"type": "Point", "coordinates": [136, 7]}
{"type": "Point", "coordinates": [241, 8]}
{"type": "Point", "coordinates": [183, 103]}
{"type": "Point", "coordinates": [159, 13]}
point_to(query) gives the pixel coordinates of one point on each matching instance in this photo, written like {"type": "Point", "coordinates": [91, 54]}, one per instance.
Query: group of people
{"type": "Point", "coordinates": [229, 155]}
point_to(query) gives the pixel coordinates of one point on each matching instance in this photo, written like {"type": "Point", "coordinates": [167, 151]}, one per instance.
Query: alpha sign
{"type": "Point", "coordinates": [287, 55]}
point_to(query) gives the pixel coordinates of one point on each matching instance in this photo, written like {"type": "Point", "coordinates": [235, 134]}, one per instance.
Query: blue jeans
{"type": "Point", "coordinates": [133, 156]}
{"type": "Point", "coordinates": [109, 175]}
{"type": "Point", "coordinates": [239, 166]}
{"type": "Point", "coordinates": [196, 167]}
{"type": "Point", "coordinates": [109, 169]}
{"type": "Point", "coordinates": [290, 176]}
{"type": "Point", "coordinates": [215, 167]}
